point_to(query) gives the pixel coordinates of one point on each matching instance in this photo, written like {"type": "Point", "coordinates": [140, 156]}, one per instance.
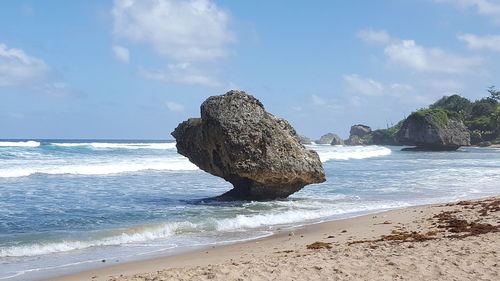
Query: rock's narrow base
{"type": "Point", "coordinates": [429, 148]}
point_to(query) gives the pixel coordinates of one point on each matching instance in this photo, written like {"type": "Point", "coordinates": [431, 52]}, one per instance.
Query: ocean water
{"type": "Point", "coordinates": [66, 205]}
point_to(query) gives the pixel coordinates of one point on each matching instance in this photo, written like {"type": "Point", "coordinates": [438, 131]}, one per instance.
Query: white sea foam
{"type": "Point", "coordinates": [19, 144]}
{"type": "Point", "coordinates": [134, 235]}
{"type": "Point", "coordinates": [99, 168]}
{"type": "Point", "coordinates": [338, 152]}
{"type": "Point", "coordinates": [109, 145]}
{"type": "Point", "coordinates": [298, 215]}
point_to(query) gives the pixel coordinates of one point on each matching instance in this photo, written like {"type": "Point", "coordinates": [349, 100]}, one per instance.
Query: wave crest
{"type": "Point", "coordinates": [172, 164]}
{"type": "Point", "coordinates": [337, 152]}
{"type": "Point", "coordinates": [134, 235]}
{"type": "Point", "coordinates": [110, 145]}
{"type": "Point", "coordinates": [19, 144]}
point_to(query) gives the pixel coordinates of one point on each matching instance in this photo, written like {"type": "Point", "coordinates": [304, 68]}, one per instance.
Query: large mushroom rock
{"type": "Point", "coordinates": [434, 130]}
{"type": "Point", "coordinates": [330, 138]}
{"type": "Point", "coordinates": [359, 135]}
{"type": "Point", "coordinates": [257, 152]}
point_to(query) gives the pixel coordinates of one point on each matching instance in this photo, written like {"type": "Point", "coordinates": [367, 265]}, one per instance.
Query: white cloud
{"type": "Point", "coordinates": [367, 90]}
{"type": "Point", "coordinates": [364, 86]}
{"type": "Point", "coordinates": [327, 103]}
{"type": "Point", "coordinates": [408, 54]}
{"type": "Point", "coordinates": [374, 36]}
{"type": "Point", "coordinates": [482, 7]}
{"type": "Point", "coordinates": [441, 86]}
{"type": "Point", "coordinates": [182, 73]}
{"type": "Point", "coordinates": [19, 69]}
{"type": "Point", "coordinates": [59, 85]}
{"type": "Point", "coordinates": [121, 53]}
{"type": "Point", "coordinates": [187, 31]}
{"type": "Point", "coordinates": [488, 42]}
{"type": "Point", "coordinates": [175, 107]}
{"type": "Point", "coordinates": [316, 100]}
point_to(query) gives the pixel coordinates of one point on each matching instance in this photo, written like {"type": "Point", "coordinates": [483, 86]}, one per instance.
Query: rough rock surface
{"type": "Point", "coordinates": [359, 135]}
{"type": "Point", "coordinates": [360, 130]}
{"type": "Point", "coordinates": [330, 138]}
{"type": "Point", "coordinates": [257, 152]}
{"type": "Point", "coordinates": [304, 140]}
{"type": "Point", "coordinates": [354, 140]}
{"type": "Point", "coordinates": [383, 137]}
{"type": "Point", "coordinates": [433, 130]}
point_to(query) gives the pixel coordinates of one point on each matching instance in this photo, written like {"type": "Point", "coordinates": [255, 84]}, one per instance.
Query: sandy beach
{"type": "Point", "coordinates": [454, 241]}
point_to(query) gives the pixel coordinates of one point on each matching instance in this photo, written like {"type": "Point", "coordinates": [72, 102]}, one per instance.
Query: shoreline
{"type": "Point", "coordinates": [325, 240]}
{"type": "Point", "coordinates": [489, 146]}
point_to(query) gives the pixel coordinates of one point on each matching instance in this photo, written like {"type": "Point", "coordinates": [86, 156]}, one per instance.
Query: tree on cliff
{"type": "Point", "coordinates": [481, 116]}
{"type": "Point", "coordinates": [494, 94]}
{"type": "Point", "coordinates": [454, 103]}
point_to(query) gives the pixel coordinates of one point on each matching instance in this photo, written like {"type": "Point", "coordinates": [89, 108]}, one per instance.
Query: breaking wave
{"type": "Point", "coordinates": [144, 234]}
{"type": "Point", "coordinates": [19, 144]}
{"type": "Point", "coordinates": [168, 164]}
{"type": "Point", "coordinates": [338, 152]}
{"type": "Point", "coordinates": [134, 235]}
{"type": "Point", "coordinates": [292, 216]}
{"type": "Point", "coordinates": [108, 145]}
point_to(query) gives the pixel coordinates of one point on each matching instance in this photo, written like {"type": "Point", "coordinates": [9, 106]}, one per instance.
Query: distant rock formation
{"type": "Point", "coordinates": [330, 138]}
{"type": "Point", "coordinates": [354, 140]}
{"type": "Point", "coordinates": [304, 140]}
{"type": "Point", "coordinates": [485, 143]}
{"type": "Point", "coordinates": [257, 152]}
{"type": "Point", "coordinates": [359, 135]}
{"type": "Point", "coordinates": [384, 137]}
{"type": "Point", "coordinates": [360, 130]}
{"type": "Point", "coordinates": [337, 140]}
{"type": "Point", "coordinates": [434, 130]}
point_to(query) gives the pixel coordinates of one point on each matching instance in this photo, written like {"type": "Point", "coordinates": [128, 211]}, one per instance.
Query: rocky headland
{"type": "Point", "coordinates": [257, 152]}
{"type": "Point", "coordinates": [449, 123]}
{"type": "Point", "coordinates": [434, 130]}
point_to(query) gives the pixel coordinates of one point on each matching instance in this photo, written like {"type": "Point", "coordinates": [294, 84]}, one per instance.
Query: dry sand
{"type": "Point", "coordinates": [457, 241]}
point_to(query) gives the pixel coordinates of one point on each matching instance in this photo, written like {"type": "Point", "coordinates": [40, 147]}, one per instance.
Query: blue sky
{"type": "Point", "coordinates": [136, 68]}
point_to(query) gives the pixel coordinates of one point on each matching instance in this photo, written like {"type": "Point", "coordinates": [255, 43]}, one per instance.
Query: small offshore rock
{"type": "Point", "coordinates": [304, 140]}
{"type": "Point", "coordinates": [359, 135]}
{"type": "Point", "coordinates": [330, 138]}
{"type": "Point", "coordinates": [485, 143]}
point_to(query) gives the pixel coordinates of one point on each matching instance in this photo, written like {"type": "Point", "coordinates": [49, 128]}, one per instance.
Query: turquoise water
{"type": "Point", "coordinates": [67, 204]}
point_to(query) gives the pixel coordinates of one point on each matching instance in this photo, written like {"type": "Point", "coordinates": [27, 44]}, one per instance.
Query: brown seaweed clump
{"type": "Point", "coordinates": [448, 222]}
{"type": "Point", "coordinates": [401, 236]}
{"type": "Point", "coordinates": [319, 245]}
{"type": "Point", "coordinates": [455, 225]}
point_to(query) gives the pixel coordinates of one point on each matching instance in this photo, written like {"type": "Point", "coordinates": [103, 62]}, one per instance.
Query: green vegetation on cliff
{"type": "Point", "coordinates": [387, 136]}
{"type": "Point", "coordinates": [482, 117]}
{"type": "Point", "coordinates": [437, 117]}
